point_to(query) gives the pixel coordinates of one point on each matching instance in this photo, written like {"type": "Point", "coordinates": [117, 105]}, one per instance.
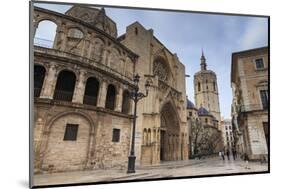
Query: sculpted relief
{"type": "Point", "coordinates": [114, 59]}
{"type": "Point", "coordinates": [97, 49]}
{"type": "Point", "coordinates": [161, 70]}
{"type": "Point", "coordinates": [74, 41]}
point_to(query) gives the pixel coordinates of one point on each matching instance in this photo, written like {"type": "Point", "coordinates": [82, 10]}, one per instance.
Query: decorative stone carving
{"type": "Point", "coordinates": [163, 87]}
{"type": "Point", "coordinates": [161, 70]}
{"type": "Point", "coordinates": [95, 17]}
{"type": "Point", "coordinates": [97, 49]}
{"type": "Point", "coordinates": [114, 59]}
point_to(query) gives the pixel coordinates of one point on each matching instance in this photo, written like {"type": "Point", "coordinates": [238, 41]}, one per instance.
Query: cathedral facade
{"type": "Point", "coordinates": [82, 83]}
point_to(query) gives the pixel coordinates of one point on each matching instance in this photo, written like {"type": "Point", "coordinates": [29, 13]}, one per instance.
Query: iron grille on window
{"type": "Point", "coordinates": [116, 135]}
{"type": "Point", "coordinates": [71, 131]}
{"type": "Point", "coordinates": [259, 63]}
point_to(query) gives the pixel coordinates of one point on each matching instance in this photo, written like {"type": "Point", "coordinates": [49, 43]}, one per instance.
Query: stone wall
{"type": "Point", "coordinates": [93, 148]}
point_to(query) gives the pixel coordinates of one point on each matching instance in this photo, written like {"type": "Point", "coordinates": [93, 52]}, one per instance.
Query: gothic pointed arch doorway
{"type": "Point", "coordinates": [170, 133]}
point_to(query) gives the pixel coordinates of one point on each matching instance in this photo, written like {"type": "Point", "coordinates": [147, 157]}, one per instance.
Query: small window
{"type": "Point", "coordinates": [116, 135]}
{"type": "Point", "coordinates": [214, 86]}
{"type": "Point", "coordinates": [264, 98]}
{"type": "Point", "coordinates": [190, 114]}
{"type": "Point", "coordinates": [136, 31]}
{"type": "Point", "coordinates": [199, 87]}
{"type": "Point", "coordinates": [71, 132]}
{"type": "Point", "coordinates": [259, 63]}
{"type": "Point", "coordinates": [207, 87]}
{"type": "Point", "coordinates": [206, 120]}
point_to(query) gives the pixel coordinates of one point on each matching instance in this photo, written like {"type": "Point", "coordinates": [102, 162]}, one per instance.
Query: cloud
{"type": "Point", "coordinates": [187, 33]}
{"type": "Point", "coordinates": [256, 34]}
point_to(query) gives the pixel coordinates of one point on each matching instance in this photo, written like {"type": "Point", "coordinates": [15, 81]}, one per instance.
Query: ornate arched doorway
{"type": "Point", "coordinates": [170, 133]}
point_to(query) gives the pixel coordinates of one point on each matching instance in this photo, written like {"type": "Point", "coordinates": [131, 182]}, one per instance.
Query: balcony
{"type": "Point", "coordinates": [90, 100]}
{"type": "Point", "coordinates": [63, 95]}
{"type": "Point", "coordinates": [45, 47]}
{"type": "Point", "coordinates": [252, 107]}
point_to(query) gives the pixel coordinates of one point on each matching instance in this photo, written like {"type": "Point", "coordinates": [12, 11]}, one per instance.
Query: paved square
{"type": "Point", "coordinates": [167, 169]}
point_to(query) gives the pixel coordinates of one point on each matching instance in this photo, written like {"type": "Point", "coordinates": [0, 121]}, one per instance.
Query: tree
{"type": "Point", "coordinates": [205, 138]}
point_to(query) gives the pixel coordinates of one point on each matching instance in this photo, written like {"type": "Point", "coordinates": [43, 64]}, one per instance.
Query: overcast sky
{"type": "Point", "coordinates": [186, 34]}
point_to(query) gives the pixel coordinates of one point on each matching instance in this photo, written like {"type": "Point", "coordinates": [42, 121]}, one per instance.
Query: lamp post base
{"type": "Point", "coordinates": [131, 164]}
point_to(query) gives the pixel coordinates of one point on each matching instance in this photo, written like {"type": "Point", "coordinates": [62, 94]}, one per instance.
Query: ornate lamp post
{"type": "Point", "coordinates": [135, 95]}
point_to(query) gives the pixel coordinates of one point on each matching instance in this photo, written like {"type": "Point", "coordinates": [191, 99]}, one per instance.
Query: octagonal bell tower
{"type": "Point", "coordinates": [206, 90]}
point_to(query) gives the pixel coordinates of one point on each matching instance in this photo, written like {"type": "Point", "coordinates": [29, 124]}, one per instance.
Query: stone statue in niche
{"type": "Point", "coordinates": [161, 70]}
{"type": "Point", "coordinates": [97, 49]}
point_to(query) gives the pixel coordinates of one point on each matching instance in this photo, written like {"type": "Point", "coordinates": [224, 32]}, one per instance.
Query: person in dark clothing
{"type": "Point", "coordinates": [246, 158]}
{"type": "Point", "coordinates": [227, 154]}
{"type": "Point", "coordinates": [222, 154]}
{"type": "Point", "coordinates": [234, 153]}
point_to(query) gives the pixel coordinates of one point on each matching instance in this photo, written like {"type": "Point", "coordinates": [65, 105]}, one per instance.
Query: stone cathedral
{"type": "Point", "coordinates": [82, 81]}
{"type": "Point", "coordinates": [206, 90]}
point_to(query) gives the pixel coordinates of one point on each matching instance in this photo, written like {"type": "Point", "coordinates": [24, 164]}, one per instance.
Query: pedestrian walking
{"type": "Point", "coordinates": [234, 153]}
{"type": "Point", "coordinates": [227, 154]}
{"type": "Point", "coordinates": [246, 158]}
{"type": "Point", "coordinates": [222, 155]}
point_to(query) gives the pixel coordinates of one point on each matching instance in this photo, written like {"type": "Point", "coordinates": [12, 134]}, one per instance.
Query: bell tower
{"type": "Point", "coordinates": [206, 90]}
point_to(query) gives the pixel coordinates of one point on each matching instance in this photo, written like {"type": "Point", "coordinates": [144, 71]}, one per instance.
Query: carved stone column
{"type": "Point", "coordinates": [79, 90]}
{"type": "Point", "coordinates": [63, 37]}
{"type": "Point", "coordinates": [49, 82]}
{"type": "Point", "coordinates": [119, 100]}
{"type": "Point", "coordinates": [102, 94]}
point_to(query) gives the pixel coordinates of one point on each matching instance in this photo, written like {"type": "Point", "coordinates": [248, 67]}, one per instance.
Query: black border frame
{"type": "Point", "coordinates": [31, 62]}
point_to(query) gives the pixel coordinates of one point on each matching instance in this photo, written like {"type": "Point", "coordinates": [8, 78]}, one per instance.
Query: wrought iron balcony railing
{"type": "Point", "coordinates": [63, 95]}
{"type": "Point", "coordinates": [90, 100]}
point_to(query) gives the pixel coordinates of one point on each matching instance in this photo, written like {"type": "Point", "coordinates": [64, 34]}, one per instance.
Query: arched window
{"type": "Point", "coordinates": [126, 102]}
{"type": "Point", "coordinates": [110, 97]}
{"type": "Point", "coordinates": [144, 136]}
{"type": "Point", "coordinates": [65, 86]}
{"type": "Point", "coordinates": [149, 137]}
{"type": "Point", "coordinates": [45, 34]}
{"type": "Point", "coordinates": [199, 87]}
{"type": "Point", "coordinates": [91, 91]}
{"type": "Point", "coordinates": [39, 76]}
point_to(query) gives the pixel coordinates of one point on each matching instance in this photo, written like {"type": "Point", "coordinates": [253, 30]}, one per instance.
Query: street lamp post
{"type": "Point", "coordinates": [135, 95]}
